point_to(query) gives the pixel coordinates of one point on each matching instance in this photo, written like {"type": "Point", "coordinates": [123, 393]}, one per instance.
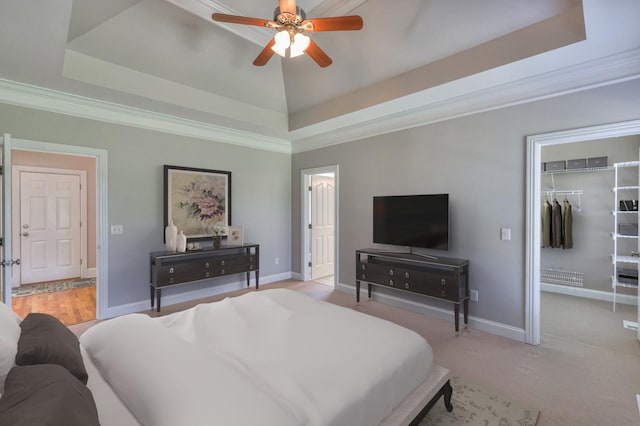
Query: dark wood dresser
{"type": "Point", "coordinates": [168, 269]}
{"type": "Point", "coordinates": [442, 278]}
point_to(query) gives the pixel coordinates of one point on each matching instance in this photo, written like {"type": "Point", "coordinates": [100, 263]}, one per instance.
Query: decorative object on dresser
{"type": "Point", "coordinates": [441, 278]}
{"type": "Point", "coordinates": [181, 243]}
{"type": "Point", "coordinates": [235, 236]}
{"type": "Point", "coordinates": [195, 199]}
{"type": "Point", "coordinates": [218, 230]}
{"type": "Point", "coordinates": [171, 269]}
{"type": "Point", "coordinates": [170, 236]}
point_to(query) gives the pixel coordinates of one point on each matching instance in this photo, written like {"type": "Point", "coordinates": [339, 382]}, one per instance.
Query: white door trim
{"type": "Point", "coordinates": [15, 225]}
{"type": "Point", "coordinates": [102, 242]}
{"type": "Point", "coordinates": [305, 176]}
{"type": "Point", "coordinates": [534, 159]}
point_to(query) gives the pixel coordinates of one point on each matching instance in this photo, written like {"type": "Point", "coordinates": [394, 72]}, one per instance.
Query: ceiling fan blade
{"type": "Point", "coordinates": [233, 19]}
{"type": "Point", "coordinates": [318, 54]}
{"type": "Point", "coordinates": [339, 23]}
{"type": "Point", "coordinates": [287, 6]}
{"type": "Point", "coordinates": [265, 55]}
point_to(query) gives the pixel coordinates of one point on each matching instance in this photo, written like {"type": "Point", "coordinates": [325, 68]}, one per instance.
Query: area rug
{"type": "Point", "coordinates": [473, 405]}
{"type": "Point", "coordinates": [51, 287]}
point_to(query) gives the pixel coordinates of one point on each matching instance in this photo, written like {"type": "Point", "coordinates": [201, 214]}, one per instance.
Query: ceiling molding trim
{"type": "Point", "coordinates": [392, 116]}
{"type": "Point", "coordinates": [41, 98]}
{"type": "Point", "coordinates": [334, 8]}
{"type": "Point", "coordinates": [205, 8]}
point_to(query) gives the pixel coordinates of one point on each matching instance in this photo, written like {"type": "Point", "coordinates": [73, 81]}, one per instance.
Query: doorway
{"type": "Point", "coordinates": [50, 223]}
{"type": "Point", "coordinates": [319, 231]}
{"type": "Point", "coordinates": [533, 224]}
{"type": "Point", "coordinates": [94, 263]}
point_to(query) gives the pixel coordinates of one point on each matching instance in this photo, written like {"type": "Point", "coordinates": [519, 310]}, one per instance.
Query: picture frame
{"type": "Point", "coordinates": [235, 236]}
{"type": "Point", "coordinates": [195, 199]}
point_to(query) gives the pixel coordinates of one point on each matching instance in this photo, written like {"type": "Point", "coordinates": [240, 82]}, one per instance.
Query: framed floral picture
{"type": "Point", "coordinates": [196, 199]}
{"type": "Point", "coordinates": [235, 236]}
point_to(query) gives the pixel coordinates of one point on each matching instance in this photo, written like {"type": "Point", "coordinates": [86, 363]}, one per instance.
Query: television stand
{"type": "Point", "coordinates": [442, 278]}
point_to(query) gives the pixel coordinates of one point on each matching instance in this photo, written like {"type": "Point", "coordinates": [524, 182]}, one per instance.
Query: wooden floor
{"type": "Point", "coordinates": [69, 306]}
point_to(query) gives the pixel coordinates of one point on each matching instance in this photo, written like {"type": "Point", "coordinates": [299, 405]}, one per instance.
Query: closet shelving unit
{"type": "Point", "coordinates": [552, 275]}
{"type": "Point", "coordinates": [623, 190]}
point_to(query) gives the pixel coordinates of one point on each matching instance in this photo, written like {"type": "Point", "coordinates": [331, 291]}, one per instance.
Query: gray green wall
{"type": "Point", "coordinates": [480, 161]}
{"type": "Point", "coordinates": [260, 192]}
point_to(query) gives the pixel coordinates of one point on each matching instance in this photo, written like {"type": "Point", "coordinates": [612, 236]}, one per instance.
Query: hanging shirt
{"type": "Point", "coordinates": [556, 225]}
{"type": "Point", "coordinates": [567, 226]}
{"type": "Point", "coordinates": [546, 224]}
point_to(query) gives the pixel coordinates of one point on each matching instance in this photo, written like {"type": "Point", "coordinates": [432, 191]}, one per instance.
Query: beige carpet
{"type": "Point", "coordinates": [573, 377]}
{"type": "Point", "coordinates": [475, 405]}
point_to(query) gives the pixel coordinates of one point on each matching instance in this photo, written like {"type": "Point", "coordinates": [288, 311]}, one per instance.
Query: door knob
{"type": "Point", "coordinates": [25, 226]}
{"type": "Point", "coordinates": [25, 234]}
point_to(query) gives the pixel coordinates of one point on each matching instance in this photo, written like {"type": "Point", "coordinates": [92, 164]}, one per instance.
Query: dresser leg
{"type": "Point", "coordinates": [153, 296]}
{"type": "Point", "coordinates": [159, 292]}
{"type": "Point", "coordinates": [357, 291]}
{"type": "Point", "coordinates": [456, 310]}
{"type": "Point", "coordinates": [466, 311]}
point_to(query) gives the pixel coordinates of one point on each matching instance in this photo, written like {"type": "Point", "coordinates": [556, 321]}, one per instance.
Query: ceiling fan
{"type": "Point", "coordinates": [290, 23]}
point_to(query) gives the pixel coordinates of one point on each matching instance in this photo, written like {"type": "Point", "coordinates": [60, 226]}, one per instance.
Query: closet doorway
{"type": "Point", "coordinates": [320, 214]}
{"type": "Point", "coordinates": [593, 222]}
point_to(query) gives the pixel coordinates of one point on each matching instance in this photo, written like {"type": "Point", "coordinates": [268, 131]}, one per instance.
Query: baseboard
{"type": "Point", "coordinates": [90, 273]}
{"type": "Point", "coordinates": [297, 276]}
{"type": "Point", "coordinates": [475, 323]}
{"type": "Point", "coordinates": [214, 290]}
{"type": "Point", "coordinates": [606, 296]}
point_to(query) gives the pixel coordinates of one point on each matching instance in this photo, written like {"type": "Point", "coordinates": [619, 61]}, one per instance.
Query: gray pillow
{"type": "Point", "coordinates": [45, 340]}
{"type": "Point", "coordinates": [46, 395]}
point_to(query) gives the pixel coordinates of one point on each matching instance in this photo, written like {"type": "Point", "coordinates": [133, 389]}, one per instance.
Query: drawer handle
{"type": "Point", "coordinates": [364, 276]}
{"type": "Point", "coordinates": [206, 265]}
{"type": "Point", "coordinates": [222, 271]}
{"type": "Point", "coordinates": [363, 267]}
{"type": "Point", "coordinates": [443, 293]}
{"type": "Point", "coordinates": [444, 282]}
{"type": "Point", "coordinates": [391, 283]}
{"type": "Point", "coordinates": [406, 285]}
{"type": "Point", "coordinates": [207, 274]}
{"type": "Point", "coordinates": [406, 275]}
{"type": "Point", "coordinates": [171, 280]}
{"type": "Point", "coordinates": [250, 266]}
{"type": "Point", "coordinates": [222, 263]}
{"type": "Point", "coordinates": [391, 272]}
{"type": "Point", "coordinates": [171, 270]}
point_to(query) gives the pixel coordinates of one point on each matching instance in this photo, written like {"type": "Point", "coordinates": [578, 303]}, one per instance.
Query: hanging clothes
{"type": "Point", "coordinates": [556, 225]}
{"type": "Point", "coordinates": [567, 226]}
{"type": "Point", "coordinates": [546, 224]}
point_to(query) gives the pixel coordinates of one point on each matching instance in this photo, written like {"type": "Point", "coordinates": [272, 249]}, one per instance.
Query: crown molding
{"type": "Point", "coordinates": [421, 109]}
{"type": "Point", "coordinates": [205, 8]}
{"type": "Point", "coordinates": [25, 95]}
{"type": "Point", "coordinates": [411, 111]}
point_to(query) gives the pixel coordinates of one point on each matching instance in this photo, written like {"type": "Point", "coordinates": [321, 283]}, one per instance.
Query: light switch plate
{"type": "Point", "coordinates": [505, 234]}
{"type": "Point", "coordinates": [117, 229]}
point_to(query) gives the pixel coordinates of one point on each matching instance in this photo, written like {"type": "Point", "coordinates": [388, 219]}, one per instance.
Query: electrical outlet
{"type": "Point", "coordinates": [117, 229]}
{"type": "Point", "coordinates": [505, 234]}
{"type": "Point", "coordinates": [474, 295]}
{"type": "Point", "coordinates": [277, 260]}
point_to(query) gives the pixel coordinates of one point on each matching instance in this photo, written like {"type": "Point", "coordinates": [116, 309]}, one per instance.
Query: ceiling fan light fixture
{"type": "Point", "coordinates": [299, 45]}
{"type": "Point", "coordinates": [283, 41]}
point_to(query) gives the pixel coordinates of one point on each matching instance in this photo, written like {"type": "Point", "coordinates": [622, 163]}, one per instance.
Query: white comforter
{"type": "Point", "coordinates": [274, 357]}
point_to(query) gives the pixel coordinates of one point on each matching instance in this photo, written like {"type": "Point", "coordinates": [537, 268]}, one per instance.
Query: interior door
{"type": "Point", "coordinates": [322, 226]}
{"type": "Point", "coordinates": [50, 226]}
{"type": "Point", "coordinates": [5, 218]}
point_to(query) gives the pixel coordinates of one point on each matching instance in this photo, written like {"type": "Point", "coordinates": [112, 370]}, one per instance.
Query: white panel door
{"type": "Point", "coordinates": [49, 226]}
{"type": "Point", "coordinates": [322, 226]}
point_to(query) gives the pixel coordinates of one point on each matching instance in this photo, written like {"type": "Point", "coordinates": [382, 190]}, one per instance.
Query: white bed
{"type": "Point", "coordinates": [273, 357]}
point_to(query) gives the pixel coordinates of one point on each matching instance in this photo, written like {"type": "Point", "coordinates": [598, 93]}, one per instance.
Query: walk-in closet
{"type": "Point", "coordinates": [589, 249]}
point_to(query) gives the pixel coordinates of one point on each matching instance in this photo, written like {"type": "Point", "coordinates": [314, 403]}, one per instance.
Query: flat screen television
{"type": "Point", "coordinates": [412, 220]}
